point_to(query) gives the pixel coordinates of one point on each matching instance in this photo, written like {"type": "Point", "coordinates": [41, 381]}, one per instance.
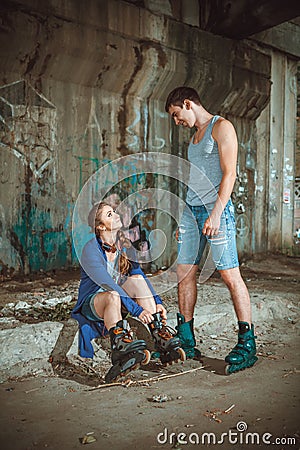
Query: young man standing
{"type": "Point", "coordinates": [209, 217]}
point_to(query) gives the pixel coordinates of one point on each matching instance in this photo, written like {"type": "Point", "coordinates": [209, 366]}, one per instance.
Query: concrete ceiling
{"type": "Point", "coordinates": [238, 19]}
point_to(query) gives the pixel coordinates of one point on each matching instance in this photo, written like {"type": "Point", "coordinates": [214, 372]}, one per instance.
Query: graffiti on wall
{"type": "Point", "coordinates": [28, 136]}
{"type": "Point", "coordinates": [97, 144]}
{"type": "Point", "coordinates": [28, 133]}
{"type": "Point", "coordinates": [242, 195]}
{"type": "Point", "coordinates": [240, 200]}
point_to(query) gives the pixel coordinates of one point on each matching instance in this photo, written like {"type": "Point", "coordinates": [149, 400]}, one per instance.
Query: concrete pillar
{"type": "Point", "coordinates": [282, 149]}
{"type": "Point", "coordinates": [260, 225]}
{"type": "Point", "coordinates": [290, 113]}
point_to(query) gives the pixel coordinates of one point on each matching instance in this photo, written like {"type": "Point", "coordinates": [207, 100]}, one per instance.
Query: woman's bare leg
{"type": "Point", "coordinates": [137, 288]}
{"type": "Point", "coordinates": [108, 306]}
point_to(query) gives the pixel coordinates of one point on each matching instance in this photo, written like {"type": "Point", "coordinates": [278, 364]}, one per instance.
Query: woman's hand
{"type": "Point", "coordinates": [162, 310]}
{"type": "Point", "coordinates": [146, 317]}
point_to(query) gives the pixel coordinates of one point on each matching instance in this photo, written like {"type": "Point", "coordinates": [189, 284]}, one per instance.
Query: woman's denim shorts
{"type": "Point", "coordinates": [88, 308]}
{"type": "Point", "coordinates": [191, 241]}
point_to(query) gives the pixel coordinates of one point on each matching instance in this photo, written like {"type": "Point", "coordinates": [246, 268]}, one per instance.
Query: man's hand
{"type": "Point", "coordinates": [211, 225]}
{"type": "Point", "coordinates": [162, 310]}
{"type": "Point", "coordinates": [146, 317]}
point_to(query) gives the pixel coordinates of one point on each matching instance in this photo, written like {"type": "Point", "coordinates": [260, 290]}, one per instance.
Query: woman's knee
{"type": "Point", "coordinates": [135, 277]}
{"type": "Point", "coordinates": [134, 283]}
{"type": "Point", "coordinates": [111, 299]}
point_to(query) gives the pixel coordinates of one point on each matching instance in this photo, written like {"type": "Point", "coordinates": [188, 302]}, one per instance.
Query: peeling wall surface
{"type": "Point", "coordinates": [85, 83]}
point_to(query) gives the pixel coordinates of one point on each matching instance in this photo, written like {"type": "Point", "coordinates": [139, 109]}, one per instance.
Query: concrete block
{"type": "Point", "coordinates": [214, 312]}
{"type": "Point", "coordinates": [153, 27]}
{"type": "Point", "coordinates": [123, 18]}
{"type": "Point", "coordinates": [101, 348]}
{"type": "Point", "coordinates": [25, 350]}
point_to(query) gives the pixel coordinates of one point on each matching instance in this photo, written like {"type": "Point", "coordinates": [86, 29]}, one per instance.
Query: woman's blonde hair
{"type": "Point", "coordinates": [94, 220]}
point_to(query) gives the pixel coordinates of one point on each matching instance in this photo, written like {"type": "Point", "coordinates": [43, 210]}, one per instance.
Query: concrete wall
{"type": "Point", "coordinates": [83, 83]}
{"type": "Point", "coordinates": [296, 247]}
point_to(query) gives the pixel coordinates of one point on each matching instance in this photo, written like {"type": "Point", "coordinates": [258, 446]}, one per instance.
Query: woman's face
{"type": "Point", "coordinates": [110, 219]}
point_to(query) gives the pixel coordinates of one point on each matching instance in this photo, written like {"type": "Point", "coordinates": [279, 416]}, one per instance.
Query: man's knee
{"type": "Point", "coordinates": [231, 277]}
{"type": "Point", "coordinates": [186, 273]}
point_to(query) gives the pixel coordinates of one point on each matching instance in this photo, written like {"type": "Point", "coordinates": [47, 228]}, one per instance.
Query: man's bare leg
{"type": "Point", "coordinates": [187, 289]}
{"type": "Point", "coordinates": [187, 297]}
{"type": "Point", "coordinates": [239, 293]}
{"type": "Point", "coordinates": [242, 355]}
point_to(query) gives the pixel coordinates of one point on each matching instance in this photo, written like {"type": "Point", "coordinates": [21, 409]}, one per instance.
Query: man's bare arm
{"type": "Point", "coordinates": [225, 135]}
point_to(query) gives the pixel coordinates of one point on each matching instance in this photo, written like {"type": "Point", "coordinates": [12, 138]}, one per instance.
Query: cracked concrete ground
{"type": "Point", "coordinates": [55, 404]}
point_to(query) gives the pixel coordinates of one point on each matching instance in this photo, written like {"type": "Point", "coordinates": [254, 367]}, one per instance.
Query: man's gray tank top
{"type": "Point", "coordinates": [205, 172]}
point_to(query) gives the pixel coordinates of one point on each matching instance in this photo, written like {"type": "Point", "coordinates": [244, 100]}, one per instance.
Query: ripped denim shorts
{"type": "Point", "coordinates": [191, 241]}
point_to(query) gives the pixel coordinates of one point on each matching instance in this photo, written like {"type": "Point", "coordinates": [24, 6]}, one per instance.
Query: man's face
{"type": "Point", "coordinates": [182, 116]}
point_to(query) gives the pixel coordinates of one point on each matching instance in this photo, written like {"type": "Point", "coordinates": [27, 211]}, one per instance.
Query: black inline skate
{"type": "Point", "coordinates": [167, 344]}
{"type": "Point", "coordinates": [127, 354]}
{"type": "Point", "coordinates": [243, 355]}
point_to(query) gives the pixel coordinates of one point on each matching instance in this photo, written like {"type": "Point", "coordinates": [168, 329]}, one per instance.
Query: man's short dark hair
{"type": "Point", "coordinates": [179, 94]}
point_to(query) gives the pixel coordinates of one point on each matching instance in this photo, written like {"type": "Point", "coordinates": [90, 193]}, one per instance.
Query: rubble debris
{"type": "Point", "coordinates": [55, 309]}
{"type": "Point", "coordinates": [291, 372]}
{"type": "Point", "coordinates": [88, 438]}
{"type": "Point", "coordinates": [213, 415]}
{"type": "Point", "coordinates": [160, 398]}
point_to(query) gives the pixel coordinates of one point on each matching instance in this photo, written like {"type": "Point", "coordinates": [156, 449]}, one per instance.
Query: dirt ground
{"type": "Point", "coordinates": [196, 406]}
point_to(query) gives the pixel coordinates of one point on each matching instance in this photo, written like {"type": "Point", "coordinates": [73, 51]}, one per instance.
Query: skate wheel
{"type": "Point", "coordinates": [147, 358]}
{"type": "Point", "coordinates": [182, 354]}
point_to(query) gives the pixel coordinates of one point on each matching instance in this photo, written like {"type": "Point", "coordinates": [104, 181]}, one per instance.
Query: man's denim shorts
{"type": "Point", "coordinates": [191, 241]}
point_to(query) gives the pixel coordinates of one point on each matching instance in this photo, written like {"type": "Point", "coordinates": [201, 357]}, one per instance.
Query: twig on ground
{"type": "Point", "coordinates": [128, 383]}
{"type": "Point", "coordinates": [229, 409]}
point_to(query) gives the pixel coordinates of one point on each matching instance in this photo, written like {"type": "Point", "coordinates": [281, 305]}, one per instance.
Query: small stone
{"type": "Point", "coordinates": [88, 438]}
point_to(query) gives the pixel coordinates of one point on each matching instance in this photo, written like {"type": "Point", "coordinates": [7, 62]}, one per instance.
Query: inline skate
{"type": "Point", "coordinates": [185, 332]}
{"type": "Point", "coordinates": [167, 344]}
{"type": "Point", "coordinates": [243, 355]}
{"type": "Point", "coordinates": [127, 354]}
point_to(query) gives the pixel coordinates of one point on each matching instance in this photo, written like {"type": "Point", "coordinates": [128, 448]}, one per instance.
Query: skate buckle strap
{"type": "Point", "coordinates": [124, 335]}
{"type": "Point", "coordinates": [238, 348]}
{"type": "Point", "coordinates": [118, 331]}
{"type": "Point", "coordinates": [165, 334]}
{"type": "Point", "coordinates": [127, 337]}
